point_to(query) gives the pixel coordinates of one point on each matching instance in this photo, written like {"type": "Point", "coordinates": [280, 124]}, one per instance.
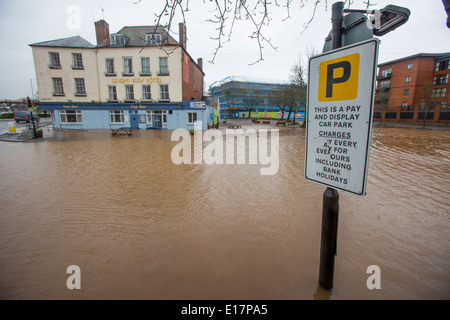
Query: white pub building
{"type": "Point", "coordinates": [139, 77]}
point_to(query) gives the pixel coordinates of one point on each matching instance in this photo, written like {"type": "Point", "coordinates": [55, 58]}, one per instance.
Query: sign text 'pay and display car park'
{"type": "Point", "coordinates": [339, 116]}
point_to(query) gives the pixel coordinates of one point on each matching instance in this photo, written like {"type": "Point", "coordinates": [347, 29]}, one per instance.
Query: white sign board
{"type": "Point", "coordinates": [339, 116]}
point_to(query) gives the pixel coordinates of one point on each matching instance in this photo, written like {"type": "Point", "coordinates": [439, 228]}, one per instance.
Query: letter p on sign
{"type": "Point", "coordinates": [338, 78]}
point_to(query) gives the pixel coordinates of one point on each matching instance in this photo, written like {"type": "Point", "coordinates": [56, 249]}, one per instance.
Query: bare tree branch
{"type": "Point", "coordinates": [224, 15]}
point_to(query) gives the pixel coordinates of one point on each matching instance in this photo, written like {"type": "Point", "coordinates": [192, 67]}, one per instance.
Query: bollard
{"type": "Point", "coordinates": [11, 127]}
{"type": "Point", "coordinates": [328, 246]}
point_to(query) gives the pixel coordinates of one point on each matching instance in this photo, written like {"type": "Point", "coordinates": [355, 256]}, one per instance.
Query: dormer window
{"type": "Point", "coordinates": [153, 38]}
{"type": "Point", "coordinates": [118, 39]}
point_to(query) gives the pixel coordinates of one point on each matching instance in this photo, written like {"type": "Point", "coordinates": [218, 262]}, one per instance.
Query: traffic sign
{"type": "Point", "coordinates": [339, 116]}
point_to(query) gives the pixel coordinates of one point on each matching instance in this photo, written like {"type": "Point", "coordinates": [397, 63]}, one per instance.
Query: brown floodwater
{"type": "Point", "coordinates": [141, 227]}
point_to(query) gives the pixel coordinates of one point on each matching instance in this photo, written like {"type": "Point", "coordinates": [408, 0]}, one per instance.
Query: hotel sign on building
{"type": "Point", "coordinates": [137, 80]}
{"type": "Point", "coordinates": [133, 78]}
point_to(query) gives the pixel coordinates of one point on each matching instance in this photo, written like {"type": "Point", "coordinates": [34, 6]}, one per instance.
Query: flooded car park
{"type": "Point", "coordinates": [141, 227]}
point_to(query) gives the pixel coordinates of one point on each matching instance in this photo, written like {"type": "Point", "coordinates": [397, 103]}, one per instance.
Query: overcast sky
{"type": "Point", "coordinates": [25, 21]}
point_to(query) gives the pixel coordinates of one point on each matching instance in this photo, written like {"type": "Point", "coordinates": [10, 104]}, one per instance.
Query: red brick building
{"type": "Point", "coordinates": [413, 88]}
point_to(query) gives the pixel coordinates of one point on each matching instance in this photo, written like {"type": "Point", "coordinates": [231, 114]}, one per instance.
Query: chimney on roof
{"type": "Point", "coordinates": [200, 63]}
{"type": "Point", "coordinates": [101, 30]}
{"type": "Point", "coordinates": [182, 35]}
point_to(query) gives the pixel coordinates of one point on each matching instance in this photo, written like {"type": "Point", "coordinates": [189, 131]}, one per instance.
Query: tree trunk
{"type": "Point", "coordinates": [424, 118]}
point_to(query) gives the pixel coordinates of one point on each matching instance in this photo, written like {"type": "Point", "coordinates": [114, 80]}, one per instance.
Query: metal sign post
{"type": "Point", "coordinates": [341, 86]}
{"type": "Point", "coordinates": [330, 210]}
{"type": "Point", "coordinates": [340, 99]}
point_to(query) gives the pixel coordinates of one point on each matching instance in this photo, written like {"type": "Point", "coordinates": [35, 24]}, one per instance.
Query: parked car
{"type": "Point", "coordinates": [22, 115]}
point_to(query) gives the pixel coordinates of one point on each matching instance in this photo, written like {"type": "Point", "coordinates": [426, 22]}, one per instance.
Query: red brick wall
{"type": "Point", "coordinates": [192, 79]}
{"type": "Point", "coordinates": [421, 73]}
{"type": "Point", "coordinates": [101, 30]}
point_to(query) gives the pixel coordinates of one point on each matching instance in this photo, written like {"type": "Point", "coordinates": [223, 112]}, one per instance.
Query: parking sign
{"type": "Point", "coordinates": [339, 116]}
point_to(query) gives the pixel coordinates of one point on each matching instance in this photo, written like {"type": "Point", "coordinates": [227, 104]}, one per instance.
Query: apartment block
{"type": "Point", "coordinates": [414, 88]}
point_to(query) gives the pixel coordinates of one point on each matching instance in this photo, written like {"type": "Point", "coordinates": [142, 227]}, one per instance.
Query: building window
{"type": "Point", "coordinates": [80, 89]}
{"type": "Point", "coordinates": [404, 105]}
{"type": "Point", "coordinates": [164, 92]}
{"type": "Point", "coordinates": [54, 60]}
{"type": "Point", "coordinates": [386, 72]}
{"type": "Point", "coordinates": [441, 79]}
{"type": "Point", "coordinates": [442, 65]}
{"type": "Point", "coordinates": [384, 95]}
{"type": "Point", "coordinates": [127, 66]}
{"type": "Point", "coordinates": [145, 67]}
{"type": "Point", "coordinates": [161, 112]}
{"type": "Point", "coordinates": [58, 89]}
{"type": "Point", "coordinates": [118, 39]}
{"type": "Point", "coordinates": [116, 116]}
{"type": "Point", "coordinates": [112, 93]}
{"type": "Point", "coordinates": [146, 92]}
{"type": "Point", "coordinates": [438, 93]}
{"type": "Point", "coordinates": [410, 66]}
{"type": "Point", "coordinates": [192, 117]}
{"type": "Point", "coordinates": [385, 84]}
{"type": "Point", "coordinates": [408, 79]}
{"type": "Point", "coordinates": [110, 67]}
{"type": "Point", "coordinates": [129, 92]}
{"type": "Point", "coordinates": [77, 61]}
{"type": "Point", "coordinates": [405, 92]}
{"type": "Point", "coordinates": [153, 38]}
{"type": "Point", "coordinates": [70, 116]}
{"type": "Point", "coordinates": [163, 66]}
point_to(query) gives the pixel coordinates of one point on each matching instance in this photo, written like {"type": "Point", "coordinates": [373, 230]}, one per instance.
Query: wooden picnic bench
{"type": "Point", "coordinates": [126, 131]}
{"type": "Point", "coordinates": [266, 122]}
{"type": "Point", "coordinates": [281, 122]}
{"type": "Point", "coordinates": [234, 126]}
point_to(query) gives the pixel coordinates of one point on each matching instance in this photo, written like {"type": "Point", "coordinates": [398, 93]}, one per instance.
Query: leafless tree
{"type": "Point", "coordinates": [383, 99]}
{"type": "Point", "coordinates": [298, 77]}
{"type": "Point", "coordinates": [279, 100]}
{"type": "Point", "coordinates": [427, 99]}
{"type": "Point", "coordinates": [224, 14]}
{"type": "Point", "coordinates": [251, 98]}
{"type": "Point", "coordinates": [231, 97]}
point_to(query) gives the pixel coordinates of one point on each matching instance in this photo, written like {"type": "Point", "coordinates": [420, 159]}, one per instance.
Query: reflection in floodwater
{"type": "Point", "coordinates": [140, 227]}
{"type": "Point", "coordinates": [322, 294]}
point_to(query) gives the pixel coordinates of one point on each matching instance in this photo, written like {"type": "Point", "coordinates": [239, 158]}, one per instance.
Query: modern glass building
{"type": "Point", "coordinates": [236, 95]}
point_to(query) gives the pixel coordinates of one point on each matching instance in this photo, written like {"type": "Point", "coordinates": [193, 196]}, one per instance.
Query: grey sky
{"type": "Point", "coordinates": [24, 22]}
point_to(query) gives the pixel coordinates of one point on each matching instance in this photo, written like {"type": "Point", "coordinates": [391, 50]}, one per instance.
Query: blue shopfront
{"type": "Point", "coordinates": [85, 116]}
